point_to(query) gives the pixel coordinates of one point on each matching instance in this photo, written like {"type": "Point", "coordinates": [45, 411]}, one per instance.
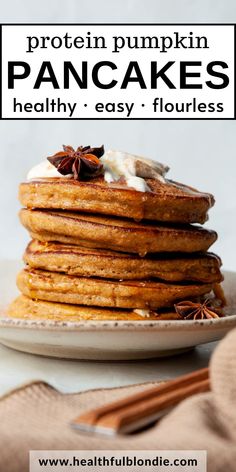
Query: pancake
{"type": "Point", "coordinates": [62, 288]}
{"type": "Point", "coordinates": [25, 308]}
{"type": "Point", "coordinates": [168, 202]}
{"type": "Point", "coordinates": [115, 233]}
{"type": "Point", "coordinates": [75, 260]}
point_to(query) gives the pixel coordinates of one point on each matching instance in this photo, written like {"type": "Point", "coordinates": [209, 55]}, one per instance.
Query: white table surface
{"type": "Point", "coordinates": [17, 368]}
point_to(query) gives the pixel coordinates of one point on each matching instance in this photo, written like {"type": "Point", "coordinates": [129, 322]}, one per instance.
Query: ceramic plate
{"type": "Point", "coordinates": [121, 340]}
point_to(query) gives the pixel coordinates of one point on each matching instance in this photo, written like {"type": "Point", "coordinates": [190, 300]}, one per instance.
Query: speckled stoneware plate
{"type": "Point", "coordinates": [122, 340]}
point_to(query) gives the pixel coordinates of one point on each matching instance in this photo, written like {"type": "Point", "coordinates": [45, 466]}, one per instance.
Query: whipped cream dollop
{"type": "Point", "coordinates": [135, 169]}
{"type": "Point", "coordinates": [117, 164]}
{"type": "Point", "coordinates": [45, 169]}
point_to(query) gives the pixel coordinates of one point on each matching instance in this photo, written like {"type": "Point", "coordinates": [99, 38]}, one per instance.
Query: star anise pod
{"type": "Point", "coordinates": [82, 162]}
{"type": "Point", "coordinates": [197, 311]}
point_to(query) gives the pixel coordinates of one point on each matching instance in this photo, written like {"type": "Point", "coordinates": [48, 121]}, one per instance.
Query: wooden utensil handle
{"type": "Point", "coordinates": [136, 412]}
{"type": "Point", "coordinates": [123, 412]}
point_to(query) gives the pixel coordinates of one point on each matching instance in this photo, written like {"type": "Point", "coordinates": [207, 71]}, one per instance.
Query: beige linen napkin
{"type": "Point", "coordinates": [38, 417]}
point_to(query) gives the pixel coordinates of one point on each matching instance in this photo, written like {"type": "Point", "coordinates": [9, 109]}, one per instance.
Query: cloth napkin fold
{"type": "Point", "coordinates": [38, 417]}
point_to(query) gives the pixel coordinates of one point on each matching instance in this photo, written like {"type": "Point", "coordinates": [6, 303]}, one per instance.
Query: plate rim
{"type": "Point", "coordinates": [90, 325]}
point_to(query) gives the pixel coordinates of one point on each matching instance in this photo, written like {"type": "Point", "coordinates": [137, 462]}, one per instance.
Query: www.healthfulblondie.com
{"type": "Point", "coordinates": [116, 461]}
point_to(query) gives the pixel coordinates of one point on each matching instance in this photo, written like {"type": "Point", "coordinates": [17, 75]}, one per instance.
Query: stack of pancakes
{"type": "Point", "coordinates": [106, 251]}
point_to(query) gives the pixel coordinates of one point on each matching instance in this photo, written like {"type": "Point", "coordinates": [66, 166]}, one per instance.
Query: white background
{"type": "Point", "coordinates": [200, 153]}
{"type": "Point", "coordinates": [220, 42]}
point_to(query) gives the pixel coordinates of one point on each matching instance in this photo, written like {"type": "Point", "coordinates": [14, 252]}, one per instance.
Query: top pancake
{"type": "Point", "coordinates": [167, 202]}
